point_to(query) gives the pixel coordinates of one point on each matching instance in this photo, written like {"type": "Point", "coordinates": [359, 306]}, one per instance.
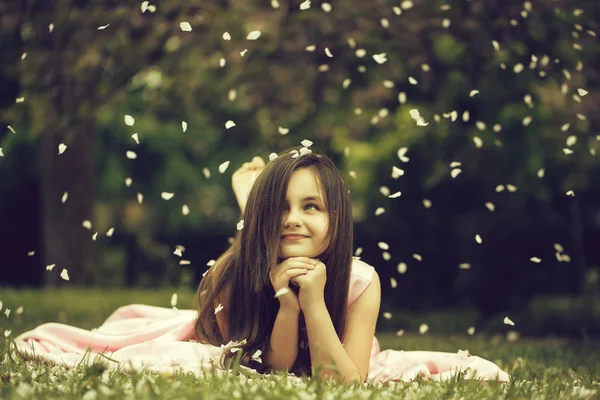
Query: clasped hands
{"type": "Point", "coordinates": [308, 274]}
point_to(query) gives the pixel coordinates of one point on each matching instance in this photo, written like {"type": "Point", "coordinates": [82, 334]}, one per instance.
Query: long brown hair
{"type": "Point", "coordinates": [246, 264]}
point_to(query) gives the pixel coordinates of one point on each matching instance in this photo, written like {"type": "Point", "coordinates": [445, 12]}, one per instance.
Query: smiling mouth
{"type": "Point", "coordinates": [293, 237]}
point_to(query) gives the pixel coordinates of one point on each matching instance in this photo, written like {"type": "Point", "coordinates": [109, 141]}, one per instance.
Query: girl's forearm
{"type": "Point", "coordinates": [284, 340]}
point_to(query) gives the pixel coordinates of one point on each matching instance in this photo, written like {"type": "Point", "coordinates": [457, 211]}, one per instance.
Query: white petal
{"type": "Point", "coordinates": [490, 206]}
{"type": "Point", "coordinates": [507, 321]}
{"type": "Point", "coordinates": [129, 120]}
{"type": "Point", "coordinates": [128, 182]}
{"type": "Point", "coordinates": [223, 167]}
{"type": "Point", "coordinates": [140, 198]}
{"type": "Point", "coordinates": [87, 224]}
{"type": "Point", "coordinates": [226, 36]}
{"type": "Point", "coordinates": [94, 236]}
{"type": "Point", "coordinates": [536, 260]}
{"type": "Point", "coordinates": [103, 27]}
{"type": "Point", "coordinates": [379, 211]}
{"type": "Point", "coordinates": [50, 267]}
{"type": "Point", "coordinates": [380, 58]}
{"type": "Point", "coordinates": [275, 4]}
{"type": "Point", "coordinates": [185, 26]}
{"type": "Point", "coordinates": [423, 328]}
{"type": "Point", "coordinates": [397, 172]}
{"type": "Point", "coordinates": [417, 257]}
{"type": "Point", "coordinates": [184, 262]}
{"type": "Point", "coordinates": [282, 130]}
{"type": "Point", "coordinates": [478, 239]}
{"type": "Point", "coordinates": [219, 308]}
{"type": "Point", "coordinates": [7, 333]}
{"type": "Point", "coordinates": [229, 124]}
{"type": "Point", "coordinates": [174, 300]}
{"type": "Point", "coordinates": [471, 330]}
{"type": "Point", "coordinates": [131, 155]}
{"type": "Point", "coordinates": [464, 266]}
{"type": "Point", "coordinates": [167, 195]}
{"type": "Point", "coordinates": [582, 92]}
{"type": "Point", "coordinates": [144, 6]}
{"type": "Point", "coordinates": [185, 210]}
{"type": "Point", "coordinates": [473, 92]}
{"type": "Point", "coordinates": [358, 251]}
{"type": "Point", "coordinates": [240, 225]}
{"type": "Point", "coordinates": [206, 172]}
{"type": "Point", "coordinates": [395, 195]}
{"type": "Point", "coordinates": [387, 315]}
{"type": "Point", "coordinates": [455, 172]}
{"type": "Point", "coordinates": [61, 148]}
{"type": "Point", "coordinates": [64, 275]}
{"type": "Point", "coordinates": [305, 5]}
{"type": "Point", "coordinates": [184, 126]}
{"type": "Point", "coordinates": [272, 156]}
{"type": "Point", "coordinates": [1, 153]}
{"type": "Point", "coordinates": [393, 283]}
{"type": "Point", "coordinates": [64, 198]}
{"type": "Point", "coordinates": [326, 7]}
{"type": "Point", "coordinates": [253, 35]}
{"type": "Point", "coordinates": [281, 292]}
{"type": "Point", "coordinates": [328, 52]}
{"type": "Point", "coordinates": [136, 138]}
{"type": "Point", "coordinates": [383, 246]}
{"type": "Point", "coordinates": [110, 232]}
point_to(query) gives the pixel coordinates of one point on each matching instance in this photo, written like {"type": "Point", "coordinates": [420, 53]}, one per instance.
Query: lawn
{"type": "Point", "coordinates": [540, 368]}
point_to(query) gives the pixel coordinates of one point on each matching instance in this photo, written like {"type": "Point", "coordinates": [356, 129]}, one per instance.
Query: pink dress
{"type": "Point", "coordinates": [140, 336]}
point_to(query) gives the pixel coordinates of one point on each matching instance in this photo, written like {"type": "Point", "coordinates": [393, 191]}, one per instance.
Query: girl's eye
{"type": "Point", "coordinates": [312, 205]}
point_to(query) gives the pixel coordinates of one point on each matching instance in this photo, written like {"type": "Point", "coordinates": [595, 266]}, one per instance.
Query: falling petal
{"type": "Point", "coordinates": [184, 126]}
{"type": "Point", "coordinates": [305, 5]}
{"type": "Point", "coordinates": [402, 267]}
{"type": "Point", "coordinates": [110, 232]}
{"type": "Point", "coordinates": [64, 275]}
{"type": "Point", "coordinates": [94, 236]}
{"type": "Point", "coordinates": [167, 195]}
{"type": "Point", "coordinates": [136, 138]}
{"type": "Point", "coordinates": [61, 148]}
{"type": "Point", "coordinates": [103, 27]}
{"type": "Point", "coordinates": [240, 225]}
{"type": "Point", "coordinates": [423, 328]}
{"type": "Point", "coordinates": [478, 239]}
{"type": "Point", "coordinates": [383, 246]}
{"type": "Point", "coordinates": [380, 58]}
{"type": "Point", "coordinates": [328, 52]}
{"type": "Point", "coordinates": [253, 35]}
{"type": "Point", "coordinates": [131, 155]}
{"type": "Point", "coordinates": [507, 321]}
{"type": "Point", "coordinates": [50, 267]}
{"type": "Point", "coordinates": [185, 26]}
{"type": "Point", "coordinates": [185, 210]}
{"type": "Point", "coordinates": [223, 167]}
{"type": "Point", "coordinates": [87, 224]}
{"type": "Point", "coordinates": [174, 300]}
{"type": "Point", "coordinates": [464, 266]}
{"type": "Point", "coordinates": [129, 120]}
{"type": "Point", "coordinates": [64, 198]}
{"type": "Point", "coordinates": [387, 315]}
{"type": "Point", "coordinates": [471, 330]}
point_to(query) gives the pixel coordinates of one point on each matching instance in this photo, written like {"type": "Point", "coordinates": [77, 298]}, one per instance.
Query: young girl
{"type": "Point", "coordinates": [297, 230]}
{"type": "Point", "coordinates": [287, 294]}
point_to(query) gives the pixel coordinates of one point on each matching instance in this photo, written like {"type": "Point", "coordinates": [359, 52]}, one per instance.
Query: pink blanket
{"type": "Point", "coordinates": [140, 336]}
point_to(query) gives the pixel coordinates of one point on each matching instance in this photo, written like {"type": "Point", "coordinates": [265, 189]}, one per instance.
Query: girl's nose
{"type": "Point", "coordinates": [292, 218]}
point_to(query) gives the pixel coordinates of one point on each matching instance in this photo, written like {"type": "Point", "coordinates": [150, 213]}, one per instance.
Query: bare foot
{"type": "Point", "coordinates": [243, 179]}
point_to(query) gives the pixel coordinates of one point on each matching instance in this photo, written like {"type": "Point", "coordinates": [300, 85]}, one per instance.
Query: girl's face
{"type": "Point", "coordinates": [305, 219]}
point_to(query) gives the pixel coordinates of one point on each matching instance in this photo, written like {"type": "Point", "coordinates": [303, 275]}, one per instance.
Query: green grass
{"type": "Point", "coordinates": [544, 369]}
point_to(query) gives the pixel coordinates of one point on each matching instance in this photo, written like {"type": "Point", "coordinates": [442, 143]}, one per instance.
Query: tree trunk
{"type": "Point", "coordinates": [65, 242]}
